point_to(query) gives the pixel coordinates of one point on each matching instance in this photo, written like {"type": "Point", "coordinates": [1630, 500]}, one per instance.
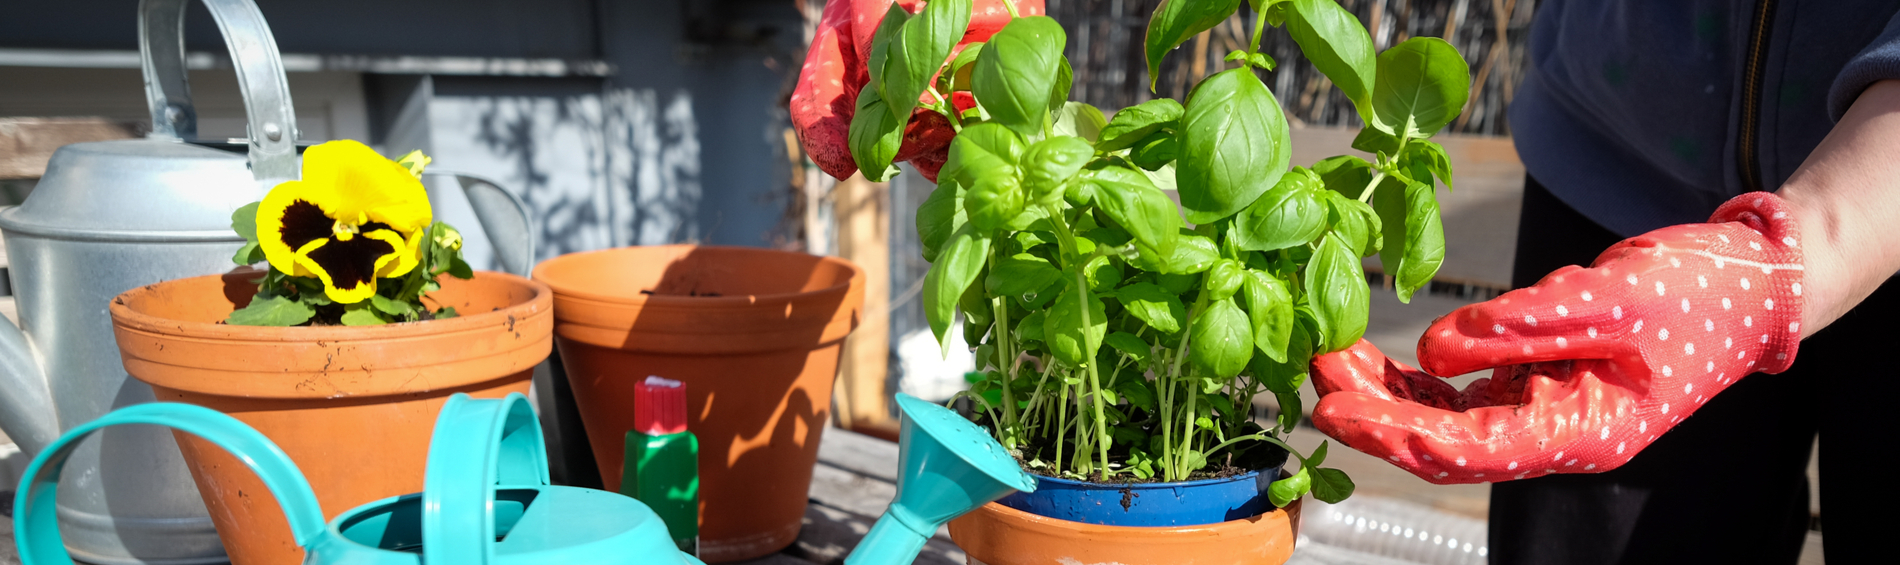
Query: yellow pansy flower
{"type": "Point", "coordinates": [356, 216]}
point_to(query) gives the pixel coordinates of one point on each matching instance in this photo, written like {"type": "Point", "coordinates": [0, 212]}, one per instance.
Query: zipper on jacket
{"type": "Point", "coordinates": [1747, 155]}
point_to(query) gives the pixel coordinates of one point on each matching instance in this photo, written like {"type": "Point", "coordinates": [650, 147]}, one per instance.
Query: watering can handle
{"type": "Point", "coordinates": [260, 74]}
{"type": "Point", "coordinates": [478, 444]}
{"type": "Point", "coordinates": [36, 522]}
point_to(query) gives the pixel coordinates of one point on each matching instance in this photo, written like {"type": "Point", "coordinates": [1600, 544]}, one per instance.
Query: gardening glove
{"type": "Point", "coordinates": [834, 72]}
{"type": "Point", "coordinates": [1592, 365]}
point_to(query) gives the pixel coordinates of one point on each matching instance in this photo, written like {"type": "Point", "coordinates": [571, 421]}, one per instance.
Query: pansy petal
{"type": "Point", "coordinates": [347, 268]}
{"type": "Point", "coordinates": [368, 187]}
{"type": "Point", "coordinates": [287, 220]}
{"type": "Point", "coordinates": [399, 262]}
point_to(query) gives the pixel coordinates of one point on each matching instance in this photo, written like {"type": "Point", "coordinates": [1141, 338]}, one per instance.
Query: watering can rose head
{"type": "Point", "coordinates": [354, 218]}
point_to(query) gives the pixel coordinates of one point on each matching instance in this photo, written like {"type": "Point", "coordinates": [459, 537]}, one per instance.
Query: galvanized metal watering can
{"type": "Point", "coordinates": [486, 498]}
{"type": "Point", "coordinates": [112, 216]}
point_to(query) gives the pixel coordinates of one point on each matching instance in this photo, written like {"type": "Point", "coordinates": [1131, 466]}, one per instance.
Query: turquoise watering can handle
{"type": "Point", "coordinates": [478, 444]}
{"type": "Point", "coordinates": [36, 524]}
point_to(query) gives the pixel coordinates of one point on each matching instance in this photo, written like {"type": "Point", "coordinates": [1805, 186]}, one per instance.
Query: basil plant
{"type": "Point", "coordinates": [1120, 338]}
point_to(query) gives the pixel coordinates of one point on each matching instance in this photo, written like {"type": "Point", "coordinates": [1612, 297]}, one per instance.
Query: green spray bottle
{"type": "Point", "coordinates": [661, 467]}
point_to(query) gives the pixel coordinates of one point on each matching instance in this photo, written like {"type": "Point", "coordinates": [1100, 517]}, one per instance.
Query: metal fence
{"type": "Point", "coordinates": [1106, 50]}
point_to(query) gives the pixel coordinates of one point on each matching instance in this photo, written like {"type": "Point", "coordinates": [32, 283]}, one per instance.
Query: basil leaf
{"type": "Point", "coordinates": [883, 41]}
{"type": "Point", "coordinates": [1020, 274]}
{"type": "Point", "coordinates": [1338, 46]}
{"type": "Point", "coordinates": [1064, 332]}
{"type": "Point", "coordinates": [1080, 120]}
{"type": "Point", "coordinates": [1292, 408]}
{"type": "Point", "coordinates": [1336, 289]}
{"type": "Point", "coordinates": [1270, 310]}
{"type": "Point", "coordinates": [980, 149]}
{"type": "Point", "coordinates": [1221, 339]}
{"type": "Point", "coordinates": [1286, 376]}
{"type": "Point", "coordinates": [1153, 305]}
{"type": "Point", "coordinates": [1331, 485]}
{"type": "Point", "coordinates": [1065, 77]}
{"type": "Point", "coordinates": [1223, 279]}
{"type": "Point", "coordinates": [1355, 223]}
{"type": "Point", "coordinates": [1137, 393]}
{"type": "Point", "coordinates": [1345, 174]}
{"type": "Point", "coordinates": [1174, 21]}
{"type": "Point", "coordinates": [1432, 157]}
{"type": "Point", "coordinates": [1422, 84]}
{"type": "Point", "coordinates": [1233, 145]}
{"type": "Point", "coordinates": [1156, 150]}
{"type": "Point", "coordinates": [917, 52]}
{"type": "Point", "coordinates": [1052, 162]}
{"type": "Point", "coordinates": [940, 215]}
{"type": "Point", "coordinates": [960, 261]}
{"type": "Point", "coordinates": [1015, 75]}
{"type": "Point", "coordinates": [1128, 198]}
{"type": "Point", "coordinates": [959, 72]}
{"type": "Point", "coordinates": [1290, 214]}
{"type": "Point", "coordinates": [1128, 343]}
{"type": "Point", "coordinates": [272, 311]}
{"type": "Point", "coordinates": [1030, 328]}
{"type": "Point", "coordinates": [874, 137]}
{"type": "Point", "coordinates": [1136, 122]}
{"type": "Point", "coordinates": [994, 200]}
{"type": "Point", "coordinates": [1424, 241]}
{"type": "Point", "coordinates": [1193, 253]}
{"type": "Point", "coordinates": [1102, 274]}
{"type": "Point", "coordinates": [1284, 491]}
{"type": "Point", "coordinates": [1376, 142]}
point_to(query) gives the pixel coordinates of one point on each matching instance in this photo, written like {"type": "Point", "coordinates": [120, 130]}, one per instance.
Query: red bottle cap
{"type": "Point", "coordinates": [659, 406]}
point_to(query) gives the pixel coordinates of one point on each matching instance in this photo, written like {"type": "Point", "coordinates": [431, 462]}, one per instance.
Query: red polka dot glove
{"type": "Point", "coordinates": [1592, 365]}
{"type": "Point", "coordinates": [834, 72]}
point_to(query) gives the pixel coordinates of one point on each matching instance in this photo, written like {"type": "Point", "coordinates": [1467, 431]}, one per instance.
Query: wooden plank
{"type": "Point", "coordinates": [27, 143]}
{"type": "Point", "coordinates": [859, 453]}
{"type": "Point", "coordinates": [862, 210]}
{"type": "Point", "coordinates": [830, 534]}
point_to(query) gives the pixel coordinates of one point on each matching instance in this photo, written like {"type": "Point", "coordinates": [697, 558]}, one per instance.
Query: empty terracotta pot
{"type": "Point", "coordinates": [755, 334]}
{"type": "Point", "coordinates": [999, 535]}
{"type": "Point", "coordinates": [354, 407]}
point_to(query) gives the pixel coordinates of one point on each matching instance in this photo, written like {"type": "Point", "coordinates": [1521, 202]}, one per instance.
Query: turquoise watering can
{"type": "Point", "coordinates": [486, 498]}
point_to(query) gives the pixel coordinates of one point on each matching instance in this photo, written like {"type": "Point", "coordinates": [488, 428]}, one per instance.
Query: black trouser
{"type": "Point", "coordinates": [1729, 484]}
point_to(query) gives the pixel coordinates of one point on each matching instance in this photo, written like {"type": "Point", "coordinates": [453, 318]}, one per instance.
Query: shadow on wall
{"type": "Point", "coordinates": [597, 169]}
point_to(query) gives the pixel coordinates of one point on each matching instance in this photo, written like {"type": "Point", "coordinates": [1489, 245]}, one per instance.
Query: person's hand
{"type": "Point", "coordinates": [1591, 364]}
{"type": "Point", "coordinates": [834, 72]}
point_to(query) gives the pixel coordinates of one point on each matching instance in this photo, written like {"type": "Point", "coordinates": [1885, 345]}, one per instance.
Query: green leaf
{"type": "Point", "coordinates": [1136, 122]}
{"type": "Point", "coordinates": [1128, 343]}
{"type": "Point", "coordinates": [1345, 174]}
{"type": "Point", "coordinates": [1063, 330]}
{"type": "Point", "coordinates": [1065, 78]}
{"type": "Point", "coordinates": [1128, 198]}
{"type": "Point", "coordinates": [1270, 310]}
{"type": "Point", "coordinates": [994, 200]}
{"type": "Point", "coordinates": [1338, 46]}
{"type": "Point", "coordinates": [1422, 84]}
{"type": "Point", "coordinates": [1020, 274]}
{"type": "Point", "coordinates": [1424, 243]}
{"type": "Point", "coordinates": [1137, 393]}
{"type": "Point", "coordinates": [1030, 329]}
{"type": "Point", "coordinates": [956, 268]}
{"type": "Point", "coordinates": [1156, 150]}
{"type": "Point", "coordinates": [1221, 339]}
{"type": "Point", "coordinates": [1286, 377]}
{"type": "Point", "coordinates": [959, 72]}
{"type": "Point", "coordinates": [875, 137]}
{"type": "Point", "coordinates": [361, 314]}
{"type": "Point", "coordinates": [1193, 253]}
{"type": "Point", "coordinates": [940, 215]}
{"type": "Point", "coordinates": [1262, 61]}
{"type": "Point", "coordinates": [1223, 279]}
{"type": "Point", "coordinates": [244, 222]}
{"type": "Point", "coordinates": [1233, 145]}
{"type": "Point", "coordinates": [1174, 21]}
{"type": "Point", "coordinates": [979, 151]}
{"type": "Point", "coordinates": [391, 306]}
{"type": "Point", "coordinates": [1015, 76]}
{"type": "Point", "coordinates": [1284, 491]}
{"type": "Point", "coordinates": [1373, 141]}
{"type": "Point", "coordinates": [1331, 485]}
{"type": "Point", "coordinates": [918, 52]}
{"type": "Point", "coordinates": [1336, 289]}
{"type": "Point", "coordinates": [1431, 156]}
{"type": "Point", "coordinates": [1291, 410]}
{"type": "Point", "coordinates": [1153, 305]}
{"type": "Point", "coordinates": [272, 311]}
{"type": "Point", "coordinates": [1050, 163]}
{"type": "Point", "coordinates": [1081, 120]}
{"type": "Point", "coordinates": [445, 313]}
{"type": "Point", "coordinates": [1355, 223]}
{"type": "Point", "coordinates": [881, 64]}
{"type": "Point", "coordinates": [250, 254]}
{"type": "Point", "coordinates": [1288, 215]}
{"type": "Point", "coordinates": [1317, 458]}
{"type": "Point", "coordinates": [459, 268]}
{"type": "Point", "coordinates": [1102, 274]}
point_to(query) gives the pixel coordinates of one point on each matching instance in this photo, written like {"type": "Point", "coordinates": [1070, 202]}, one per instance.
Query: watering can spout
{"type": "Point", "coordinates": [948, 467]}
{"type": "Point", "coordinates": [26, 406]}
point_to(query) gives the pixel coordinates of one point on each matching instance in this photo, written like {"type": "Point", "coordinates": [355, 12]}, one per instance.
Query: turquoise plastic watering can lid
{"type": "Point", "coordinates": [35, 520]}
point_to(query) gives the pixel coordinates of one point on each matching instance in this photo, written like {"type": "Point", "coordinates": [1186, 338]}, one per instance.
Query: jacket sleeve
{"type": "Point", "coordinates": [1879, 61]}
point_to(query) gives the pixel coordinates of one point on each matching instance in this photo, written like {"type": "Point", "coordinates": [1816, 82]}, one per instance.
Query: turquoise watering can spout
{"type": "Point", "coordinates": [949, 467]}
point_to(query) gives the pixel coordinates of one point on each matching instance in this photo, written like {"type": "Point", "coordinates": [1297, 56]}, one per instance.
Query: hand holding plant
{"type": "Point", "coordinates": [352, 243]}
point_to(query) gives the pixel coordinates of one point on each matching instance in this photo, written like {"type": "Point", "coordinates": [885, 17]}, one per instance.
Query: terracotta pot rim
{"type": "Point", "coordinates": [1044, 522]}
{"type": "Point", "coordinates": [568, 292]}
{"type": "Point", "coordinates": [124, 316]}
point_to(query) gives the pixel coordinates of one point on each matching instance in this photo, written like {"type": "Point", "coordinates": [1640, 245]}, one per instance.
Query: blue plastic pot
{"type": "Point", "coordinates": [1190, 503]}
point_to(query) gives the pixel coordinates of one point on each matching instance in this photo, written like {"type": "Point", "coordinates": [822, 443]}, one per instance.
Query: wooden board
{"type": "Point", "coordinates": [27, 143]}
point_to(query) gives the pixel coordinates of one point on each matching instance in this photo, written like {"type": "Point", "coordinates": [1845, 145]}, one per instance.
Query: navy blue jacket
{"type": "Point", "coordinates": [1647, 113]}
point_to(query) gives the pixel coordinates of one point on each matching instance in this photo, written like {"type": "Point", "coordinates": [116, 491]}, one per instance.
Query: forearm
{"type": "Point", "coordinates": [1846, 200]}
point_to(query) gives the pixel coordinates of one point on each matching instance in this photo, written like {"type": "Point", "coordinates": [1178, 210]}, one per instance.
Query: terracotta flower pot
{"type": "Point", "coordinates": [354, 407]}
{"type": "Point", "coordinates": [999, 535]}
{"type": "Point", "coordinates": [756, 336]}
